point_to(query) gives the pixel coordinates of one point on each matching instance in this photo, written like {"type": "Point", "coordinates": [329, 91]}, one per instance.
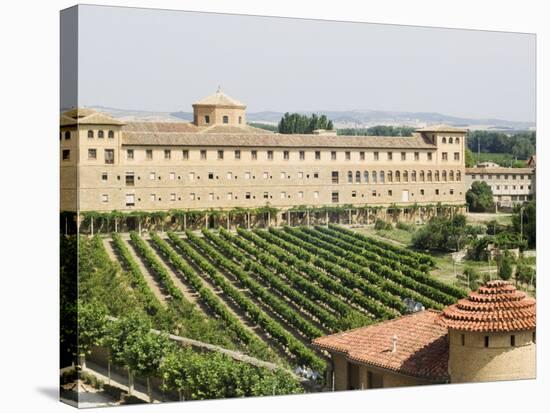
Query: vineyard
{"type": "Point", "coordinates": [269, 293]}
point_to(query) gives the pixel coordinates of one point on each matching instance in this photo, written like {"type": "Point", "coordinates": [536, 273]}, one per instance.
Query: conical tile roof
{"type": "Point", "coordinates": [219, 99]}
{"type": "Point", "coordinates": [497, 306]}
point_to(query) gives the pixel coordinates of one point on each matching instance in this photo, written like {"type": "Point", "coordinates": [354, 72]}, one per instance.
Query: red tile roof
{"type": "Point", "coordinates": [495, 307]}
{"type": "Point", "coordinates": [421, 345]}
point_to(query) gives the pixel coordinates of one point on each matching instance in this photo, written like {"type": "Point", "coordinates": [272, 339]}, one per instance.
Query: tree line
{"type": "Point", "coordinates": [521, 145]}
{"type": "Point", "coordinates": [297, 123]}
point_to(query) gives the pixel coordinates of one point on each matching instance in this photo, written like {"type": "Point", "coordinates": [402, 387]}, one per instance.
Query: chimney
{"type": "Point", "coordinates": [394, 344]}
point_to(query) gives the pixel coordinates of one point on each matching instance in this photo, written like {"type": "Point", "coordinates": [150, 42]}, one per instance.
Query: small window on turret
{"type": "Point", "coordinates": [534, 337]}
{"type": "Point", "coordinates": [513, 340]}
{"type": "Point", "coordinates": [240, 120]}
{"type": "Point", "coordinates": [462, 339]}
{"type": "Point", "coordinates": [90, 134]}
{"type": "Point", "coordinates": [67, 135]}
{"type": "Point", "coordinates": [444, 140]}
{"type": "Point", "coordinates": [100, 134]}
{"type": "Point", "coordinates": [486, 341]}
{"type": "Point", "coordinates": [111, 134]}
{"type": "Point", "coordinates": [207, 119]}
{"type": "Point", "coordinates": [226, 119]}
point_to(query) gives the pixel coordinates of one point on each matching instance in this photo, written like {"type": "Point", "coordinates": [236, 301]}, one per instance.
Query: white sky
{"type": "Point", "coordinates": [165, 60]}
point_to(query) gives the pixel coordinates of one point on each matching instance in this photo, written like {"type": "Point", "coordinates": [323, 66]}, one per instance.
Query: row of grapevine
{"type": "Point", "coordinates": [412, 272]}
{"type": "Point", "coordinates": [303, 354]}
{"type": "Point", "coordinates": [307, 287]}
{"type": "Point", "coordinates": [371, 306]}
{"type": "Point", "coordinates": [253, 344]}
{"type": "Point", "coordinates": [434, 296]}
{"type": "Point", "coordinates": [386, 246]}
{"type": "Point", "coordinates": [407, 270]}
{"type": "Point", "coordinates": [347, 278]}
{"type": "Point", "coordinates": [262, 293]}
{"type": "Point", "coordinates": [274, 281]}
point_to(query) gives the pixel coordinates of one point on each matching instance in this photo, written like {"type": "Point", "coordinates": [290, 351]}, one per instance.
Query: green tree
{"type": "Point", "coordinates": [505, 262]}
{"type": "Point", "coordinates": [296, 123]}
{"type": "Point", "coordinates": [469, 158]}
{"type": "Point", "coordinates": [470, 278]}
{"type": "Point", "coordinates": [526, 227]}
{"type": "Point", "coordinates": [92, 326]}
{"type": "Point", "coordinates": [525, 274]}
{"type": "Point", "coordinates": [443, 234]}
{"type": "Point", "coordinates": [480, 197]}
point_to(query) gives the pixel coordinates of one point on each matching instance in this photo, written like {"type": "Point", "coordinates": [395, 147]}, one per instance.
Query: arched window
{"type": "Point", "coordinates": [457, 141]}
{"type": "Point", "coordinates": [421, 176]}
{"type": "Point", "coordinates": [240, 120]}
{"type": "Point", "coordinates": [90, 134]}
{"type": "Point", "coordinates": [111, 134]}
{"type": "Point", "coordinates": [397, 176]}
{"type": "Point", "coordinates": [374, 177]}
{"type": "Point", "coordinates": [451, 176]}
{"type": "Point", "coordinates": [366, 176]}
{"type": "Point", "coordinates": [357, 176]}
{"type": "Point", "coordinates": [444, 140]}
{"type": "Point", "coordinates": [458, 177]}
{"type": "Point", "coordinates": [450, 140]}
{"type": "Point", "coordinates": [390, 177]}
{"type": "Point", "coordinates": [100, 134]}
{"type": "Point", "coordinates": [444, 176]}
{"type": "Point", "coordinates": [413, 176]}
{"type": "Point", "coordinates": [382, 177]}
{"type": "Point", "coordinates": [429, 176]}
{"type": "Point", "coordinates": [226, 119]}
{"type": "Point", "coordinates": [350, 177]}
{"type": "Point", "coordinates": [405, 176]}
{"type": "Point", "coordinates": [67, 135]}
{"type": "Point", "coordinates": [436, 176]}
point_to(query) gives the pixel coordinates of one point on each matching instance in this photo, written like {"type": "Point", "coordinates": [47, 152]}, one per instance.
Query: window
{"type": "Point", "coordinates": [333, 155]}
{"type": "Point", "coordinates": [317, 155]}
{"type": "Point", "coordinates": [283, 195]}
{"type": "Point", "coordinates": [283, 175]}
{"type": "Point", "coordinates": [458, 176]}
{"type": "Point", "coordinates": [130, 199]}
{"type": "Point", "coordinates": [316, 194]}
{"type": "Point", "coordinates": [382, 177]}
{"type": "Point", "coordinates": [129, 154]}
{"type": "Point", "coordinates": [335, 197]}
{"type": "Point", "coordinates": [429, 156]}
{"type": "Point", "coordinates": [444, 156]}
{"type": "Point", "coordinates": [206, 119]}
{"type": "Point", "coordinates": [109, 156]}
{"type": "Point", "coordinates": [397, 176]}
{"type": "Point", "coordinates": [362, 155]}
{"type": "Point", "coordinates": [514, 176]}
{"type": "Point", "coordinates": [302, 155]}
{"type": "Point", "coordinates": [225, 119]}
{"type": "Point", "coordinates": [437, 191]}
{"type": "Point", "coordinates": [486, 341]}
{"type": "Point", "coordinates": [90, 134]}
{"type": "Point", "coordinates": [266, 195]}
{"type": "Point", "coordinates": [357, 176]}
{"type": "Point", "coordinates": [92, 153]}
{"type": "Point", "coordinates": [191, 176]}
{"type": "Point", "coordinates": [167, 154]}
{"type": "Point", "coordinates": [172, 176]}
{"type": "Point", "coordinates": [240, 120]}
{"type": "Point", "coordinates": [254, 154]}
{"type": "Point", "coordinates": [230, 175]}
{"type": "Point", "coordinates": [211, 196]}
{"type": "Point", "coordinates": [266, 175]}
{"type": "Point", "coordinates": [335, 177]}
{"type": "Point", "coordinates": [247, 195]}
{"type": "Point", "coordinates": [444, 140]}
{"type": "Point", "coordinates": [390, 156]}
{"type": "Point", "coordinates": [436, 176]}
{"type": "Point", "coordinates": [67, 135]}
{"type": "Point", "coordinates": [152, 176]}
{"type": "Point", "coordinates": [451, 176]}
{"type": "Point", "coordinates": [413, 176]}
{"type": "Point", "coordinates": [100, 134]}
{"type": "Point", "coordinates": [444, 176]}
{"type": "Point", "coordinates": [220, 155]}
{"type": "Point", "coordinates": [230, 196]}
{"type": "Point", "coordinates": [390, 176]}
{"type": "Point", "coordinates": [366, 176]}
{"type": "Point", "coordinates": [237, 154]}
{"type": "Point", "coordinates": [203, 154]}
{"type": "Point", "coordinates": [456, 141]}
{"type": "Point", "coordinates": [350, 177]}
{"type": "Point", "coordinates": [421, 176]}
{"type": "Point", "coordinates": [286, 155]}
{"type": "Point", "coordinates": [149, 154]}
{"type": "Point", "coordinates": [421, 192]}
{"type": "Point", "coordinates": [192, 196]}
{"type": "Point", "coordinates": [348, 155]}
{"type": "Point", "coordinates": [390, 192]}
{"type": "Point", "coordinates": [111, 134]}
{"type": "Point", "coordinates": [300, 175]}
{"type": "Point", "coordinates": [129, 179]}
{"type": "Point", "coordinates": [376, 156]}
{"type": "Point", "coordinates": [104, 198]}
{"type": "Point", "coordinates": [451, 191]}
{"type": "Point", "coordinates": [462, 339]}
{"type": "Point", "coordinates": [416, 156]}
{"type": "Point", "coordinates": [210, 175]}
{"type": "Point", "coordinates": [185, 154]}
{"type": "Point", "coordinates": [270, 155]}
{"type": "Point", "coordinates": [354, 194]}
{"type": "Point", "coordinates": [247, 175]}
{"type": "Point", "coordinates": [405, 176]}
{"type": "Point", "coordinates": [374, 193]}
{"type": "Point", "coordinates": [316, 175]}
{"type": "Point", "coordinates": [172, 196]}
{"type": "Point", "coordinates": [403, 156]}
{"type": "Point", "coordinates": [104, 176]}
{"type": "Point", "coordinates": [373, 177]}
{"type": "Point", "coordinates": [450, 140]}
{"type": "Point", "coordinates": [429, 176]}
{"type": "Point", "coordinates": [457, 156]}
{"type": "Point", "coordinates": [300, 194]}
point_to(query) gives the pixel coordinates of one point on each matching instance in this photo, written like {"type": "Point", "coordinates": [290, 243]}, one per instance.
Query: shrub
{"type": "Point", "coordinates": [405, 227]}
{"type": "Point", "coordinates": [381, 225]}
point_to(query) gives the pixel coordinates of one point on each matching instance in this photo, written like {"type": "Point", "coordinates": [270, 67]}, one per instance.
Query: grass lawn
{"type": "Point", "coordinates": [475, 218]}
{"type": "Point", "coordinates": [445, 269]}
{"type": "Point", "coordinates": [399, 236]}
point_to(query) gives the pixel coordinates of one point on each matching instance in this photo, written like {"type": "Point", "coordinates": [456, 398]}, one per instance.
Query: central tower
{"type": "Point", "coordinates": [219, 109]}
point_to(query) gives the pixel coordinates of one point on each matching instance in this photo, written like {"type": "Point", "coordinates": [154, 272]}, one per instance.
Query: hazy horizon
{"type": "Point", "coordinates": [161, 60]}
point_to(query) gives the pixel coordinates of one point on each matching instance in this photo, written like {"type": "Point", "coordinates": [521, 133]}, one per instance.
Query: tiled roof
{"type": "Point", "coordinates": [267, 139]}
{"type": "Point", "coordinates": [442, 128]}
{"type": "Point", "coordinates": [499, 170]}
{"type": "Point", "coordinates": [495, 307]}
{"type": "Point", "coordinates": [219, 99]}
{"type": "Point", "coordinates": [234, 129]}
{"type": "Point", "coordinates": [85, 116]}
{"type": "Point", "coordinates": [421, 345]}
{"type": "Point", "coordinates": [162, 127]}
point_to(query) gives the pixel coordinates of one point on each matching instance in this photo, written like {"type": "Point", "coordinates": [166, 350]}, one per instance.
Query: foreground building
{"type": "Point", "coordinates": [219, 162]}
{"type": "Point", "coordinates": [487, 336]}
{"type": "Point", "coordinates": [510, 186]}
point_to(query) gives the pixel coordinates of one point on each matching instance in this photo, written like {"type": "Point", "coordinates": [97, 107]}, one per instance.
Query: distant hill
{"type": "Point", "coordinates": [342, 119]}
